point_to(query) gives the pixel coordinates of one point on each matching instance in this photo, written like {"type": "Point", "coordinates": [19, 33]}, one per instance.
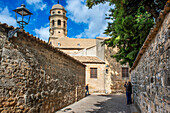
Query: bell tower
{"type": "Point", "coordinates": [58, 23]}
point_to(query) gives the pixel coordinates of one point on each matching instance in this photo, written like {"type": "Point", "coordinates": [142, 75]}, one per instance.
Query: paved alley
{"type": "Point", "coordinates": [114, 103]}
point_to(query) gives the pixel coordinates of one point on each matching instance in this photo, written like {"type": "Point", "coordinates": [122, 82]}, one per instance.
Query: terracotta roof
{"type": "Point", "coordinates": [89, 59]}
{"type": "Point", "coordinates": [74, 43]}
{"type": "Point", "coordinates": [103, 38]}
{"type": "Point", "coordinates": [38, 40]}
{"type": "Point", "coordinates": [152, 34]}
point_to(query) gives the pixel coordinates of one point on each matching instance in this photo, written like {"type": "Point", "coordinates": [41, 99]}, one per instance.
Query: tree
{"type": "Point", "coordinates": [131, 23]}
{"type": "Point", "coordinates": [131, 6]}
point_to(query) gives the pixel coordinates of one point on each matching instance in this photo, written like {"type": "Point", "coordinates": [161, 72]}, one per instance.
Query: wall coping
{"type": "Point", "coordinates": [38, 40]}
{"type": "Point", "coordinates": [153, 32]}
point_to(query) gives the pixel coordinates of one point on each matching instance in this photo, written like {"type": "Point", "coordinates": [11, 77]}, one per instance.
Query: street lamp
{"type": "Point", "coordinates": [22, 12]}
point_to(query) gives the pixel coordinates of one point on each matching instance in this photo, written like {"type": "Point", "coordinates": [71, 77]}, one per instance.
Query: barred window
{"type": "Point", "coordinates": [125, 72]}
{"type": "Point", "coordinates": [93, 72]}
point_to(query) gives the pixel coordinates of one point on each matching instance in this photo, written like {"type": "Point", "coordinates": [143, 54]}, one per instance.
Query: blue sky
{"type": "Point", "coordinates": [82, 22]}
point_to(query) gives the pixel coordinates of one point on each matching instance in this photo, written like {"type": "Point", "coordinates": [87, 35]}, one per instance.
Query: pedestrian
{"type": "Point", "coordinates": [128, 87]}
{"type": "Point", "coordinates": [125, 85]}
{"type": "Point", "coordinates": [87, 90]}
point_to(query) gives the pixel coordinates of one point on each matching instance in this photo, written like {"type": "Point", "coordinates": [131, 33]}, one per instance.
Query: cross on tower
{"type": "Point", "coordinates": [58, 1]}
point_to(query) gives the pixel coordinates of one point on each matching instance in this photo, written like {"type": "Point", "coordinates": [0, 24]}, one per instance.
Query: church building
{"type": "Point", "coordinates": [103, 73]}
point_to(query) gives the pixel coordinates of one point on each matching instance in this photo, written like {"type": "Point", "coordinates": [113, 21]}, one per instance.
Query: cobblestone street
{"type": "Point", "coordinates": [99, 104]}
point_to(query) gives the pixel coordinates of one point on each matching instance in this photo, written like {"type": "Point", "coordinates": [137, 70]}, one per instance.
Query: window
{"type": "Point", "coordinates": [78, 44]}
{"type": "Point", "coordinates": [93, 72]}
{"type": "Point", "coordinates": [58, 31]}
{"type": "Point", "coordinates": [59, 44]}
{"type": "Point", "coordinates": [125, 72]}
{"type": "Point", "coordinates": [59, 22]}
{"type": "Point", "coordinates": [64, 24]}
{"type": "Point", "coordinates": [52, 22]}
{"type": "Point", "coordinates": [53, 12]}
{"type": "Point", "coordinates": [63, 13]}
{"type": "Point", "coordinates": [107, 71]}
{"type": "Point", "coordinates": [59, 12]}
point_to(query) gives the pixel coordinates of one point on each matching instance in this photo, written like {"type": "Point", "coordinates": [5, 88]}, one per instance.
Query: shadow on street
{"type": "Point", "coordinates": [116, 104]}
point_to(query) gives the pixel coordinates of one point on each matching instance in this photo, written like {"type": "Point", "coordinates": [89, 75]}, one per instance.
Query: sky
{"type": "Point", "coordinates": [82, 22]}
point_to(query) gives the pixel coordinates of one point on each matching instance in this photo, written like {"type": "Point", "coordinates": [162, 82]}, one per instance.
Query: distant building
{"type": "Point", "coordinates": [103, 73]}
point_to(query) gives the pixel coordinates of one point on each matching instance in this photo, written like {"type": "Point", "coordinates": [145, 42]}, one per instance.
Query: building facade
{"type": "Point", "coordinates": [103, 73]}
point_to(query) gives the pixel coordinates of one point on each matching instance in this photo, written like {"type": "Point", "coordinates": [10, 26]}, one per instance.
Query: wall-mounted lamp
{"type": "Point", "coordinates": [21, 12]}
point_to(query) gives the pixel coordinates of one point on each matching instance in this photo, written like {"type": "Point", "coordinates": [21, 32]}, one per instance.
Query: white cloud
{"type": "Point", "coordinates": [42, 33]}
{"type": "Point", "coordinates": [94, 18]}
{"type": "Point", "coordinates": [38, 4]}
{"type": "Point", "coordinates": [5, 17]}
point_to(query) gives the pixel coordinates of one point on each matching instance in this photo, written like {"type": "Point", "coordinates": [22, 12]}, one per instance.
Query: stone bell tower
{"type": "Point", "coordinates": [58, 23]}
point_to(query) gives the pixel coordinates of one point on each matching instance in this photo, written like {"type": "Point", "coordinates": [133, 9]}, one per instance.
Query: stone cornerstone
{"type": "Point", "coordinates": [35, 77]}
{"type": "Point", "coordinates": [150, 73]}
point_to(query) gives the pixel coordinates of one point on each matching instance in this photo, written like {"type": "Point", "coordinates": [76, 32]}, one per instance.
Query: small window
{"type": "Point", "coordinates": [59, 22]}
{"type": "Point", "coordinates": [59, 44]}
{"type": "Point", "coordinates": [53, 23]}
{"type": "Point", "coordinates": [125, 72]}
{"type": "Point", "coordinates": [93, 72]}
{"type": "Point", "coordinates": [78, 44]}
{"type": "Point", "coordinates": [107, 71]}
{"type": "Point", "coordinates": [53, 12]}
{"type": "Point", "coordinates": [58, 31]}
{"type": "Point", "coordinates": [59, 12]}
{"type": "Point", "coordinates": [63, 13]}
{"type": "Point", "coordinates": [64, 24]}
{"type": "Point", "coordinates": [50, 43]}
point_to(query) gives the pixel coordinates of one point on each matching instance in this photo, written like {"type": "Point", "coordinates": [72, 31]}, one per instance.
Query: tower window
{"type": "Point", "coordinates": [63, 13]}
{"type": "Point", "coordinates": [52, 22]}
{"type": "Point", "coordinates": [59, 44]}
{"type": "Point", "coordinates": [59, 22]}
{"type": "Point", "coordinates": [78, 44]}
{"type": "Point", "coordinates": [107, 71]}
{"type": "Point", "coordinates": [59, 12]}
{"type": "Point", "coordinates": [53, 12]}
{"type": "Point", "coordinates": [64, 24]}
{"type": "Point", "coordinates": [58, 31]}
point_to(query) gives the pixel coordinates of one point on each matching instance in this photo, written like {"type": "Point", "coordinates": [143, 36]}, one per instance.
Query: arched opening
{"type": "Point", "coordinates": [52, 22]}
{"type": "Point", "coordinates": [59, 22]}
{"type": "Point", "coordinates": [64, 24]}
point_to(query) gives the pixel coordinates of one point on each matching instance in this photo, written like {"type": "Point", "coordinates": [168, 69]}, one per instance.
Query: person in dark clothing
{"type": "Point", "coordinates": [128, 87]}
{"type": "Point", "coordinates": [87, 90]}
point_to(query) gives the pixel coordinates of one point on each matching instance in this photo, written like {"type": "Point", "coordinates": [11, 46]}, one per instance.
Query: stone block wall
{"type": "Point", "coordinates": [151, 75]}
{"type": "Point", "coordinates": [37, 78]}
{"type": "Point", "coordinates": [114, 82]}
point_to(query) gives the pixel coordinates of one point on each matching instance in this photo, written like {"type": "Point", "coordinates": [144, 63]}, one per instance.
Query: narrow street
{"type": "Point", "coordinates": [115, 103]}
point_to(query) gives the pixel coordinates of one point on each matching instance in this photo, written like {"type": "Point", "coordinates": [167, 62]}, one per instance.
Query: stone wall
{"type": "Point", "coordinates": [113, 77]}
{"type": "Point", "coordinates": [35, 77]}
{"type": "Point", "coordinates": [151, 70]}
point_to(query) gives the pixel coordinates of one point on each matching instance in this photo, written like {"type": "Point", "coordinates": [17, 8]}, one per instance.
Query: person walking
{"type": "Point", "coordinates": [128, 87]}
{"type": "Point", "coordinates": [87, 90]}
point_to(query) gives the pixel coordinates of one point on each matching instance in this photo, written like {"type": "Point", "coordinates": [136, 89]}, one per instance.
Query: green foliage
{"type": "Point", "coordinates": [130, 25]}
